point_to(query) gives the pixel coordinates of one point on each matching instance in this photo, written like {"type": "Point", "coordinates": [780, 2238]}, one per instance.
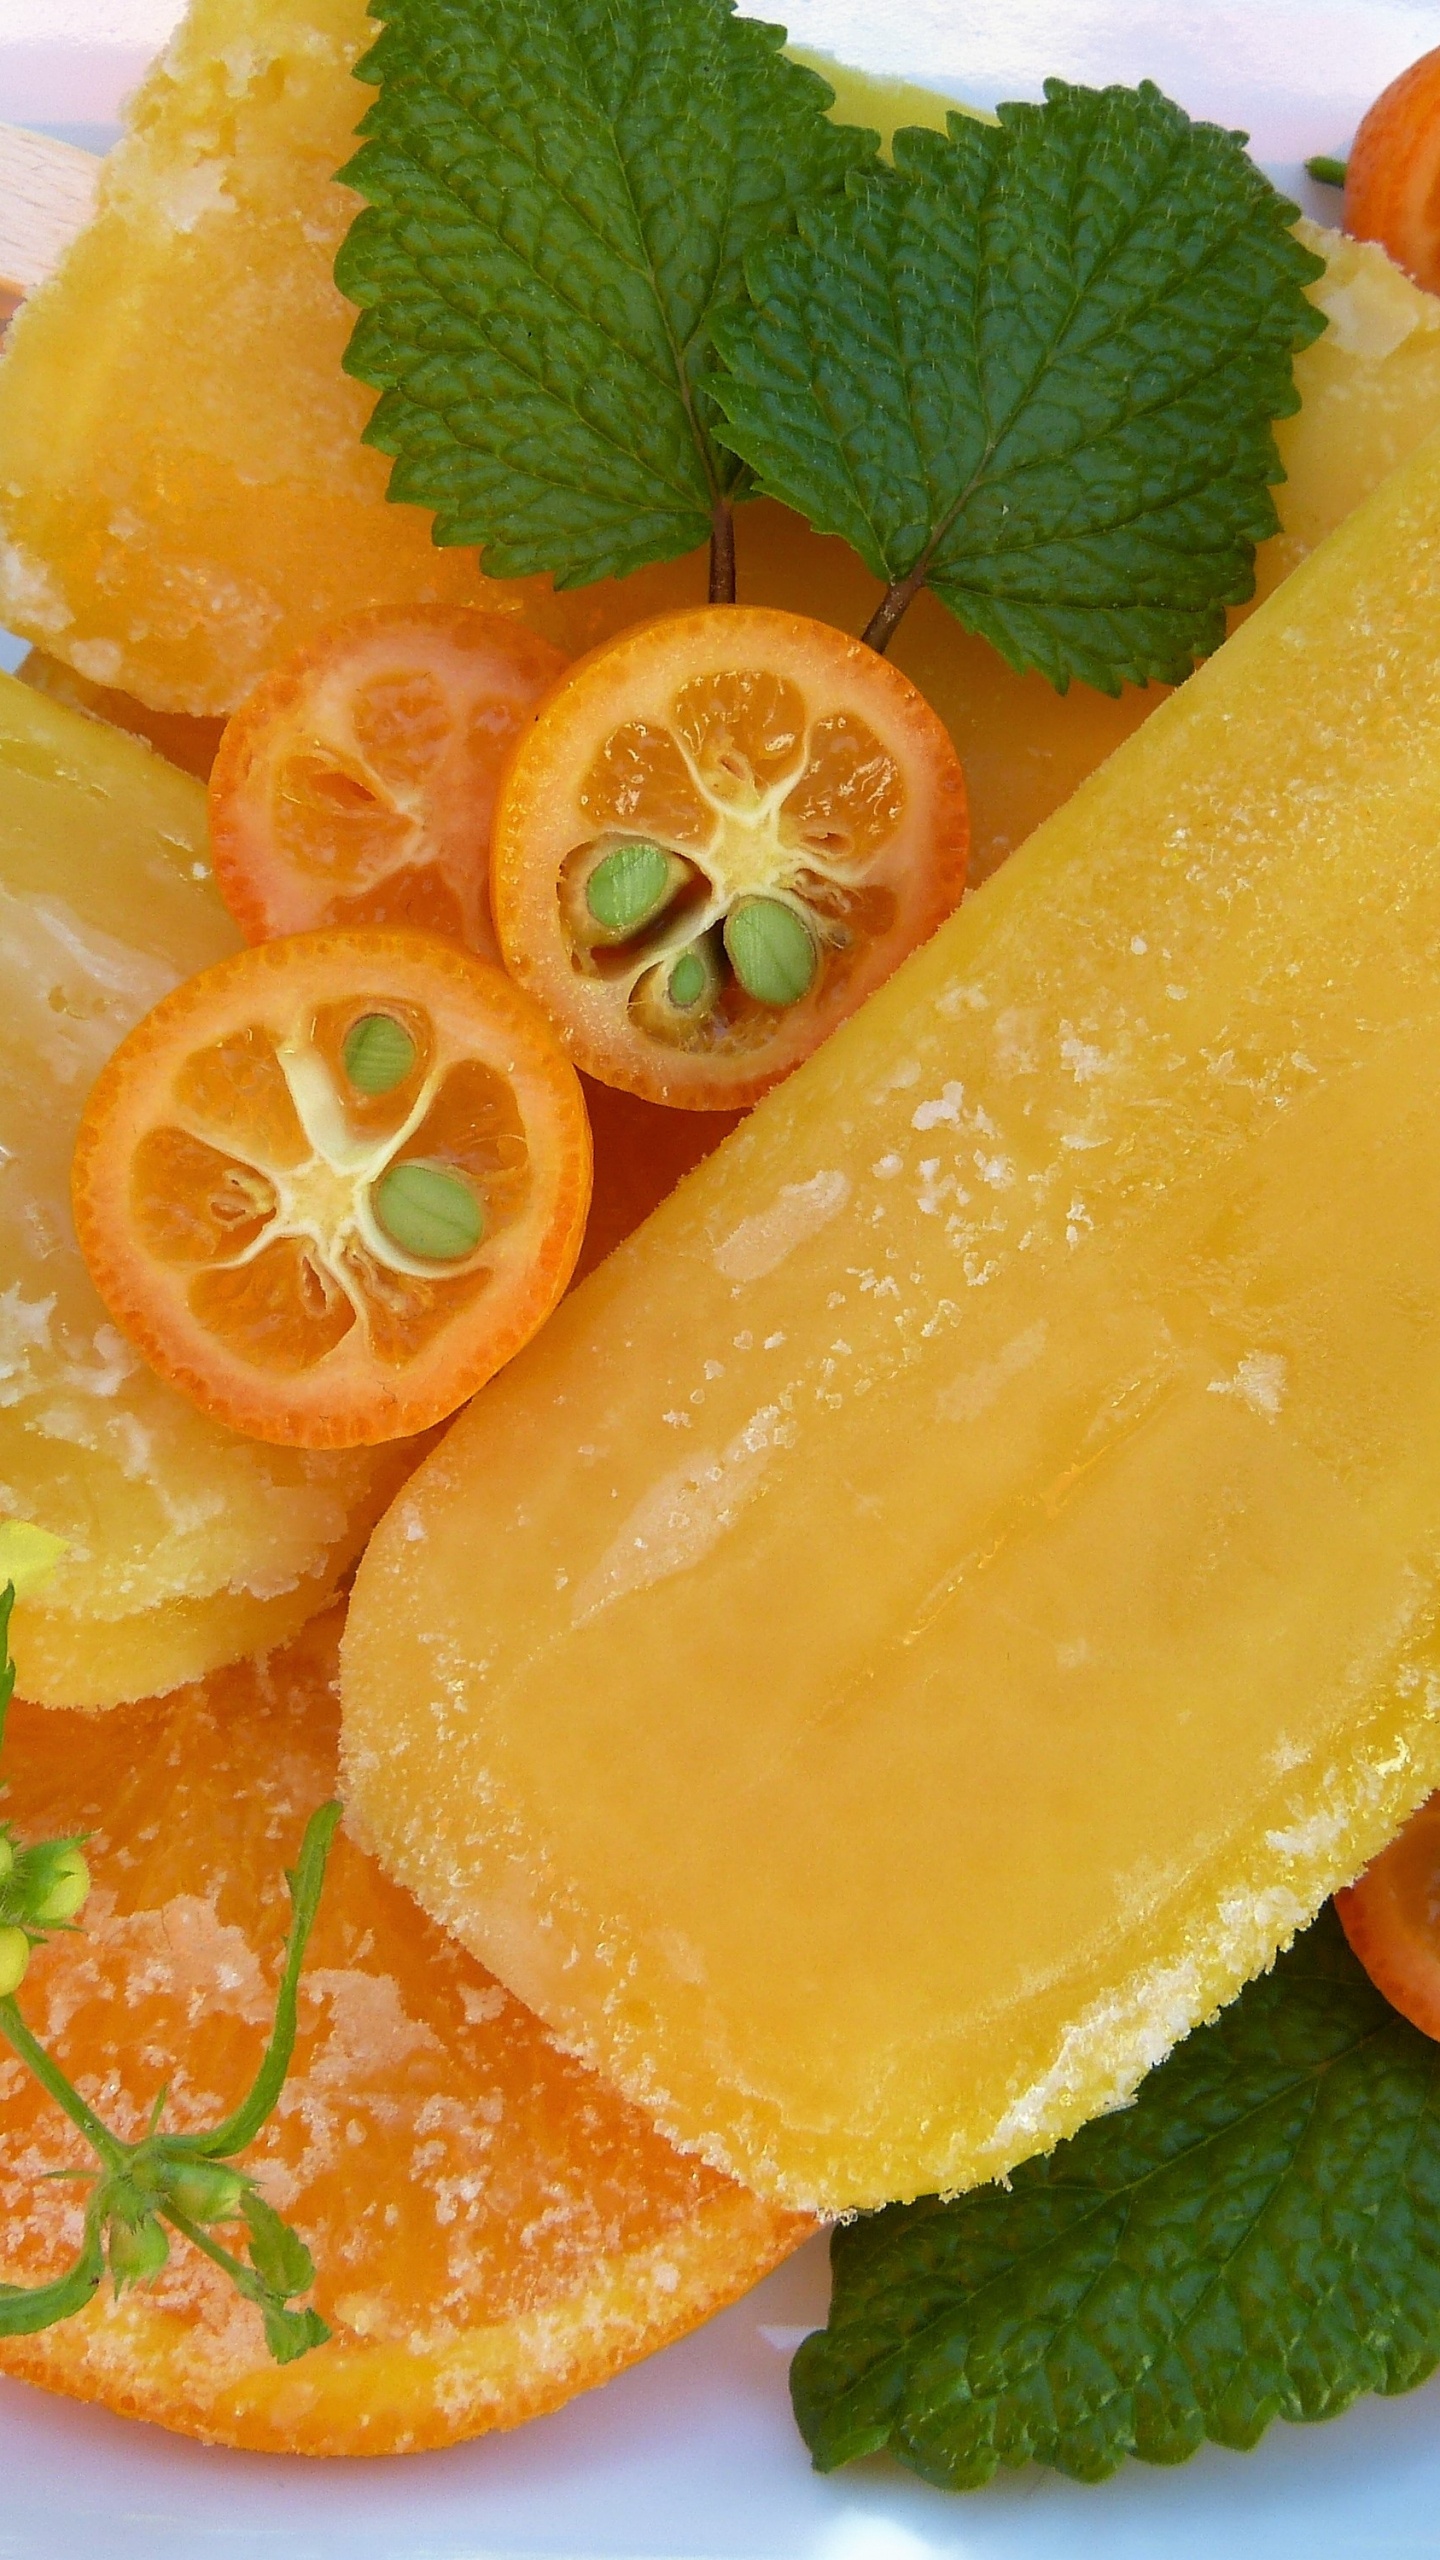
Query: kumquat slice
{"type": "Point", "coordinates": [332, 1184]}
{"type": "Point", "coordinates": [722, 831]}
{"type": "Point", "coordinates": [357, 783]}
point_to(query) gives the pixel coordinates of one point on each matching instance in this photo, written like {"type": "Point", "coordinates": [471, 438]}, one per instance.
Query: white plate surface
{"type": "Point", "coordinates": [693, 2456]}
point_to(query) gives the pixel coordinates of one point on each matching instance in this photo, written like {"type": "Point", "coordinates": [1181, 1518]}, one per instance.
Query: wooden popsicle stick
{"type": "Point", "coordinates": [47, 194]}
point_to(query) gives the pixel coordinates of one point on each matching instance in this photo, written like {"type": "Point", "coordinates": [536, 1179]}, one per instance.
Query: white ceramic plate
{"type": "Point", "coordinates": [693, 2456]}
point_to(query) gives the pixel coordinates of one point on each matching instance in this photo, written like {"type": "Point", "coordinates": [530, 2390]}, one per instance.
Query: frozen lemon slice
{"type": "Point", "coordinates": [945, 1601]}
{"type": "Point", "coordinates": [185, 1546]}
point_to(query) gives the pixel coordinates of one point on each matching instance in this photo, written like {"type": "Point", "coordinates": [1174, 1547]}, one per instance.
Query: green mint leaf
{"type": "Point", "coordinates": [1256, 2237]}
{"type": "Point", "coordinates": [306, 1881]}
{"type": "Point", "coordinates": [1036, 369]}
{"type": "Point", "coordinates": [561, 196]}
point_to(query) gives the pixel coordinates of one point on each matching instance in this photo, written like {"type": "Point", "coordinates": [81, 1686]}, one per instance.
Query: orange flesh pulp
{"type": "Point", "coordinates": [356, 785]}
{"type": "Point", "coordinates": [641, 1151]}
{"type": "Point", "coordinates": [779, 769]}
{"type": "Point", "coordinates": [493, 2228]}
{"type": "Point", "coordinates": [235, 1185]}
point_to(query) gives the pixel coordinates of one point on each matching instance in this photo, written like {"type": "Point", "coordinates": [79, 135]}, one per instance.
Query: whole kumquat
{"type": "Point", "coordinates": [1392, 1919]}
{"type": "Point", "coordinates": [1392, 177]}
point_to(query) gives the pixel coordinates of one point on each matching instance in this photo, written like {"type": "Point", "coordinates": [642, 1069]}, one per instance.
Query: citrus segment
{"type": "Point", "coordinates": [721, 832]}
{"type": "Point", "coordinates": [330, 1185]}
{"type": "Point", "coordinates": [493, 2228]}
{"type": "Point", "coordinates": [357, 783]}
{"type": "Point", "coordinates": [1392, 1919]}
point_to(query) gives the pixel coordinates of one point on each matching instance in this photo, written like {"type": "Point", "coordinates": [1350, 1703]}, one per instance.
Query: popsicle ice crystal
{"type": "Point", "coordinates": [944, 1603]}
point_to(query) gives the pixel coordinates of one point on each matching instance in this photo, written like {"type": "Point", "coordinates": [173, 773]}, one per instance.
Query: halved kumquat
{"type": "Point", "coordinates": [356, 785]}
{"type": "Point", "coordinates": [722, 831]}
{"type": "Point", "coordinates": [332, 1184]}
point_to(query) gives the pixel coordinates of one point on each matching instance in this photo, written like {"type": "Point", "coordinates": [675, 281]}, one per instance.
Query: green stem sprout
{"type": "Point", "coordinates": [165, 2182]}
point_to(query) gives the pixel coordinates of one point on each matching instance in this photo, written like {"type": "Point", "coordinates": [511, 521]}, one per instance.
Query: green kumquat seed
{"type": "Point", "coordinates": [689, 981]}
{"type": "Point", "coordinates": [429, 1212]}
{"type": "Point", "coordinates": [379, 1053]}
{"type": "Point", "coordinates": [772, 951]}
{"type": "Point", "coordinates": [630, 887]}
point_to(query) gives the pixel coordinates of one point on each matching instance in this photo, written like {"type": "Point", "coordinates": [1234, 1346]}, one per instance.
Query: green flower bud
{"type": "Point", "coordinates": [204, 2190]}
{"type": "Point", "coordinates": [136, 2248]}
{"type": "Point", "coordinates": [14, 1958]}
{"type": "Point", "coordinates": [7, 1856]}
{"type": "Point", "coordinates": [56, 1882]}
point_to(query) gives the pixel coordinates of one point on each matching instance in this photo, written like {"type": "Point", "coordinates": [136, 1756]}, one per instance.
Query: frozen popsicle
{"type": "Point", "coordinates": [946, 1601]}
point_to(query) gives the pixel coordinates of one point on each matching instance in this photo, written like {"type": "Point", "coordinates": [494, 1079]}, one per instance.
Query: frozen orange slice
{"type": "Point", "coordinates": [330, 1185]}
{"type": "Point", "coordinates": [493, 2228]}
{"type": "Point", "coordinates": [1392, 1919]}
{"type": "Point", "coordinates": [641, 1152]}
{"type": "Point", "coordinates": [357, 783]}
{"type": "Point", "coordinates": [724, 829]}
